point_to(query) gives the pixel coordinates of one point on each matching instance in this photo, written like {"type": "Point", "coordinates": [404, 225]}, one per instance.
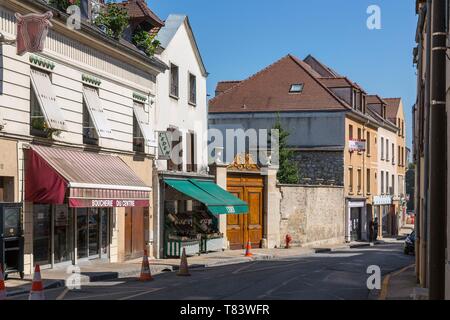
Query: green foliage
{"type": "Point", "coordinates": [288, 170]}
{"type": "Point", "coordinates": [113, 19]}
{"type": "Point", "coordinates": [144, 41]}
{"type": "Point", "coordinates": [62, 5]}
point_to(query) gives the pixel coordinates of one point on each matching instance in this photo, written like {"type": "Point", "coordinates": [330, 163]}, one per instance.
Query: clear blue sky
{"type": "Point", "coordinates": [239, 37]}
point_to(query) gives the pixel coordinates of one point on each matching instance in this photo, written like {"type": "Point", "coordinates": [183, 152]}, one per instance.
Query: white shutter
{"type": "Point", "coordinates": [42, 87]}
{"type": "Point", "coordinates": [96, 112]}
{"type": "Point", "coordinates": [146, 130]}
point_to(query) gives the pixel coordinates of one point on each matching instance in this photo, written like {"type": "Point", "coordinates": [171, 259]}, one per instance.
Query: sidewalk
{"type": "Point", "coordinates": [101, 271]}
{"type": "Point", "coordinates": [402, 285]}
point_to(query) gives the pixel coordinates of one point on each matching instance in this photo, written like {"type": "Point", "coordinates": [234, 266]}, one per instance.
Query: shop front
{"type": "Point", "coordinates": [191, 215]}
{"type": "Point", "coordinates": [384, 210]}
{"type": "Point", "coordinates": [356, 220]}
{"type": "Point", "coordinates": [72, 198]}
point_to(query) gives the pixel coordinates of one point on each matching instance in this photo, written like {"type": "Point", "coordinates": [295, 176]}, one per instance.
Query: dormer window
{"type": "Point", "coordinates": [296, 88]}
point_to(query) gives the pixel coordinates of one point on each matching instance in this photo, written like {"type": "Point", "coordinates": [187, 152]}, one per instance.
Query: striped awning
{"type": "Point", "coordinates": [83, 179]}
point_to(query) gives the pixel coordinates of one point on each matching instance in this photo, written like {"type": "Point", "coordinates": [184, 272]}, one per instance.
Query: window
{"type": "Point", "coordinates": [138, 138]}
{"type": "Point", "coordinates": [350, 132]}
{"type": "Point", "coordinates": [45, 113]}
{"type": "Point", "coordinates": [387, 149]}
{"type": "Point", "coordinates": [393, 185]}
{"type": "Point", "coordinates": [393, 153]}
{"type": "Point", "coordinates": [382, 183]}
{"type": "Point", "coordinates": [89, 133]}
{"type": "Point", "coordinates": [350, 178]}
{"type": "Point", "coordinates": [191, 165]}
{"type": "Point", "coordinates": [399, 156]}
{"type": "Point", "coordinates": [387, 182]}
{"type": "Point", "coordinates": [368, 178]}
{"type": "Point", "coordinates": [141, 117]}
{"type": "Point", "coordinates": [368, 144]}
{"type": "Point", "coordinates": [192, 89]}
{"type": "Point", "coordinates": [174, 81]}
{"type": "Point", "coordinates": [296, 88]}
{"type": "Point", "coordinates": [359, 134]}
{"type": "Point", "coordinates": [359, 181]}
{"type": "Point", "coordinates": [382, 148]}
{"type": "Point", "coordinates": [96, 112]}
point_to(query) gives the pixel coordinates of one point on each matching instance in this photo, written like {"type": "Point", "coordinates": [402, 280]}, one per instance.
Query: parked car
{"type": "Point", "coordinates": [410, 241]}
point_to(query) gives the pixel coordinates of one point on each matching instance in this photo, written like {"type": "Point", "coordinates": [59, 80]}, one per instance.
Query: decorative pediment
{"type": "Point", "coordinates": [244, 162]}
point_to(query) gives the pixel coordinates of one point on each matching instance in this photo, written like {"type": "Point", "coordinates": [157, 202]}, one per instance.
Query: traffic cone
{"type": "Point", "coordinates": [248, 248]}
{"type": "Point", "coordinates": [2, 285]}
{"type": "Point", "coordinates": [37, 288]}
{"type": "Point", "coordinates": [184, 268]}
{"type": "Point", "coordinates": [146, 274]}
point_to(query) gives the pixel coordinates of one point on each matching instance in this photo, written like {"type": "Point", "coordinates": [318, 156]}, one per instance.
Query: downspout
{"type": "Point", "coordinates": [438, 130]}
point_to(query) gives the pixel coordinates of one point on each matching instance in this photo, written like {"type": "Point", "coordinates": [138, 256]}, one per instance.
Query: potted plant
{"type": "Point", "coordinates": [145, 42]}
{"type": "Point", "coordinates": [113, 20]}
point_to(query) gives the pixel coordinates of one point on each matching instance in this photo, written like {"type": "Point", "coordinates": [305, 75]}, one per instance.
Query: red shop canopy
{"type": "Point", "coordinates": [85, 179]}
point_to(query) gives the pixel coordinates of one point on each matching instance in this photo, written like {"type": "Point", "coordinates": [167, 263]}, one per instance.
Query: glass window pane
{"type": "Point", "coordinates": [42, 234]}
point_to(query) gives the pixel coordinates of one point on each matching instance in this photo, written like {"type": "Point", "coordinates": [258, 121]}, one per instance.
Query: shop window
{"type": "Point", "coordinates": [6, 189]}
{"type": "Point", "coordinates": [174, 81]}
{"type": "Point", "coordinates": [42, 224]}
{"type": "Point", "coordinates": [192, 89]}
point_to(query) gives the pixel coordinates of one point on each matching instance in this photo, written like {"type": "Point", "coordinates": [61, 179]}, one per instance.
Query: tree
{"type": "Point", "coordinates": [288, 170]}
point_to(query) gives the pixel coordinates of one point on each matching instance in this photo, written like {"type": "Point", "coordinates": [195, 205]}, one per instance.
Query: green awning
{"type": "Point", "coordinates": [217, 200]}
{"type": "Point", "coordinates": [210, 187]}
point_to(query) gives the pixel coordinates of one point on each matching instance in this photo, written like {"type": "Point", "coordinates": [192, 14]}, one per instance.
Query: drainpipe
{"type": "Point", "coordinates": [438, 130]}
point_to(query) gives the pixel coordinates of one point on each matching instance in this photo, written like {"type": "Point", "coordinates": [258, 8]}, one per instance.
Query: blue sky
{"type": "Point", "coordinates": [239, 37]}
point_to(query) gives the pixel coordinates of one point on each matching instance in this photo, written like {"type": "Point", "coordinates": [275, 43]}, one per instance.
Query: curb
{"type": "Point", "coordinates": [385, 285]}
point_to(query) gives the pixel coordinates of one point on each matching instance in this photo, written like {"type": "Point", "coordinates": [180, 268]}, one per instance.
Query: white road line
{"type": "Point", "coordinates": [141, 294]}
{"type": "Point", "coordinates": [62, 294]}
{"type": "Point", "coordinates": [239, 270]}
{"type": "Point", "coordinates": [105, 294]}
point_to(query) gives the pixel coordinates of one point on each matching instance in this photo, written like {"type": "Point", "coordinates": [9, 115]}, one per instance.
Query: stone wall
{"type": "Point", "coordinates": [320, 167]}
{"type": "Point", "coordinates": [312, 215]}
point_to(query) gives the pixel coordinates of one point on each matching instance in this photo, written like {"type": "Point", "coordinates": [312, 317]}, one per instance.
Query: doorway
{"type": "Point", "coordinates": [355, 223]}
{"type": "Point", "coordinates": [92, 233]}
{"type": "Point", "coordinates": [134, 232]}
{"type": "Point", "coordinates": [246, 227]}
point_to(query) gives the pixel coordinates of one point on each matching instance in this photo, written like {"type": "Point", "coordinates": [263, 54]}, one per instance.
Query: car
{"type": "Point", "coordinates": [410, 241]}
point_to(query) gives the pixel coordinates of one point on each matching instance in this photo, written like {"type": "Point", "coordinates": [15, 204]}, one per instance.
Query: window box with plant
{"type": "Point", "coordinates": [145, 42]}
{"type": "Point", "coordinates": [62, 5]}
{"type": "Point", "coordinates": [113, 20]}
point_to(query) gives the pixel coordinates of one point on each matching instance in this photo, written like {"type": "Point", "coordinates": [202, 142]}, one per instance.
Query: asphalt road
{"type": "Point", "coordinates": [339, 275]}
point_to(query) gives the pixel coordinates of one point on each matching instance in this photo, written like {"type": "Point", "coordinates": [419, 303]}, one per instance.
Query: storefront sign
{"type": "Point", "coordinates": [164, 145]}
{"type": "Point", "coordinates": [357, 145]}
{"type": "Point", "coordinates": [382, 200]}
{"type": "Point", "coordinates": [107, 203]}
{"type": "Point", "coordinates": [230, 210]}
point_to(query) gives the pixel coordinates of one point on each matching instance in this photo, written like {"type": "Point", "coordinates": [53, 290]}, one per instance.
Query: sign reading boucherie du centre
{"type": "Point", "coordinates": [107, 203]}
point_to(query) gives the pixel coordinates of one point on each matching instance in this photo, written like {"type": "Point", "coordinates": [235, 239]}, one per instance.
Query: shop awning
{"type": "Point", "coordinates": [83, 179]}
{"type": "Point", "coordinates": [217, 200]}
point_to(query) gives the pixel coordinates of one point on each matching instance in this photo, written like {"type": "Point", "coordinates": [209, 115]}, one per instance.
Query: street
{"type": "Point", "coordinates": [337, 275]}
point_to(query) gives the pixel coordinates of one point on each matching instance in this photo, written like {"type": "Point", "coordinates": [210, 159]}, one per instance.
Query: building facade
{"type": "Point", "coordinates": [430, 152]}
{"type": "Point", "coordinates": [78, 115]}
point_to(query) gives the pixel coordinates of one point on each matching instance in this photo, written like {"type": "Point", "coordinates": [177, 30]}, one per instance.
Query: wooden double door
{"type": "Point", "coordinates": [244, 227]}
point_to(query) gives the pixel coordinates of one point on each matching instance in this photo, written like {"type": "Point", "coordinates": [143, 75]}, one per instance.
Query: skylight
{"type": "Point", "coordinates": [296, 88]}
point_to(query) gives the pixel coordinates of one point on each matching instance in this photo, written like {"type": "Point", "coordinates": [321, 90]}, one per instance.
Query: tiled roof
{"type": "Point", "coordinates": [223, 86]}
{"type": "Point", "coordinates": [375, 99]}
{"type": "Point", "coordinates": [321, 69]}
{"type": "Point", "coordinates": [393, 104]}
{"type": "Point", "coordinates": [341, 82]}
{"type": "Point", "coordinates": [139, 9]}
{"type": "Point", "coordinates": [268, 91]}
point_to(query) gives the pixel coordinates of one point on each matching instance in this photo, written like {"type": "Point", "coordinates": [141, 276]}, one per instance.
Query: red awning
{"type": "Point", "coordinates": [83, 179]}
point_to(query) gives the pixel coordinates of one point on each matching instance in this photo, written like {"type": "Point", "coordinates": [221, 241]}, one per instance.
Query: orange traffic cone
{"type": "Point", "coordinates": [184, 268]}
{"type": "Point", "coordinates": [2, 285]}
{"type": "Point", "coordinates": [146, 274]}
{"type": "Point", "coordinates": [37, 288]}
{"type": "Point", "coordinates": [248, 248]}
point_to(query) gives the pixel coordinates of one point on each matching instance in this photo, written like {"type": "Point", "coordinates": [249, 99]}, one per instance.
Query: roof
{"type": "Point", "coordinates": [322, 69]}
{"type": "Point", "coordinates": [83, 167]}
{"type": "Point", "coordinates": [268, 91]}
{"type": "Point", "coordinates": [223, 86]}
{"type": "Point", "coordinates": [393, 105]}
{"type": "Point", "coordinates": [171, 26]}
{"type": "Point", "coordinates": [340, 82]}
{"type": "Point", "coordinates": [375, 99]}
{"type": "Point", "coordinates": [139, 9]}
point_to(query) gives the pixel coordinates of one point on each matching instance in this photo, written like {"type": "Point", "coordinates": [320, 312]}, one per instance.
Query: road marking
{"type": "Point", "coordinates": [106, 294]}
{"type": "Point", "coordinates": [385, 287]}
{"type": "Point", "coordinates": [62, 294]}
{"type": "Point", "coordinates": [246, 266]}
{"type": "Point", "coordinates": [141, 294]}
{"type": "Point", "coordinates": [269, 292]}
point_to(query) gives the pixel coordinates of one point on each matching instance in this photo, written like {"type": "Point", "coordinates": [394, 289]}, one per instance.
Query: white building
{"type": "Point", "coordinates": [77, 113]}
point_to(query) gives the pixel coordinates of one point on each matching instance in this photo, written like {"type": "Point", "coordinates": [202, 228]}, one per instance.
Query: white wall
{"type": "Point", "coordinates": [179, 113]}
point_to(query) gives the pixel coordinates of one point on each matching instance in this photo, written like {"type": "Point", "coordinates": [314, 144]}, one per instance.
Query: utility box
{"type": "Point", "coordinates": [11, 239]}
